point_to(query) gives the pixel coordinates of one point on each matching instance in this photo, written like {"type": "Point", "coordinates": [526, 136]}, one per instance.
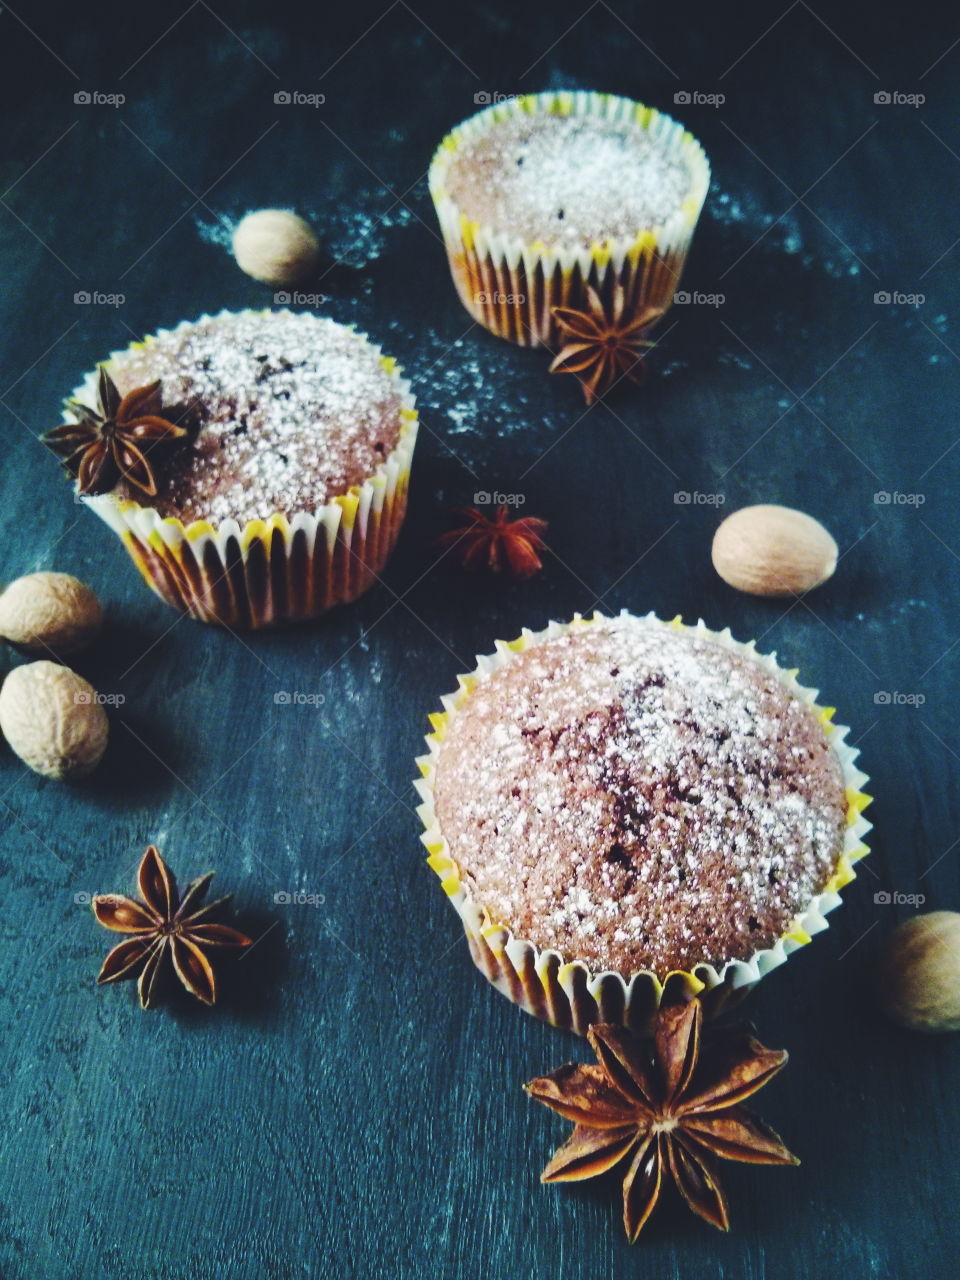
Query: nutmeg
{"type": "Point", "coordinates": [53, 720]}
{"type": "Point", "coordinates": [918, 976]}
{"type": "Point", "coordinates": [49, 614]}
{"type": "Point", "coordinates": [275, 246]}
{"type": "Point", "coordinates": [768, 550]}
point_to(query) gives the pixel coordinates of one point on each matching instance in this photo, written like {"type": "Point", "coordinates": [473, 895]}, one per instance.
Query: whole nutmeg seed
{"type": "Point", "coordinates": [53, 720]}
{"type": "Point", "coordinates": [918, 977]}
{"type": "Point", "coordinates": [769, 550]}
{"type": "Point", "coordinates": [275, 246]}
{"type": "Point", "coordinates": [49, 613]}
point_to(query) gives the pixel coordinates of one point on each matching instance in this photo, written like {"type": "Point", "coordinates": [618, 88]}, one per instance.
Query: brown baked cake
{"type": "Point", "coordinates": [568, 180]}
{"type": "Point", "coordinates": [543, 197]}
{"type": "Point", "coordinates": [639, 797]}
{"type": "Point", "coordinates": [287, 411]}
{"type": "Point", "coordinates": [288, 491]}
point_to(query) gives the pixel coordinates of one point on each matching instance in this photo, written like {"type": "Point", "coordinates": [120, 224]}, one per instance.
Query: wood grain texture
{"type": "Point", "coordinates": [354, 1108]}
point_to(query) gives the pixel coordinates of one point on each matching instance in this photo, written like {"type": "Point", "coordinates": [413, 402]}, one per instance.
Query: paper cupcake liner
{"type": "Point", "coordinates": [278, 569]}
{"type": "Point", "coordinates": [510, 286]}
{"type": "Point", "coordinates": [568, 993]}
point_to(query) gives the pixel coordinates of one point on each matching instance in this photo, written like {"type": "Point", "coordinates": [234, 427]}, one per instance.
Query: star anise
{"type": "Point", "coordinates": [603, 344]}
{"type": "Point", "coordinates": [497, 544]}
{"type": "Point", "coordinates": [665, 1109]}
{"type": "Point", "coordinates": [168, 928]}
{"type": "Point", "coordinates": [115, 439]}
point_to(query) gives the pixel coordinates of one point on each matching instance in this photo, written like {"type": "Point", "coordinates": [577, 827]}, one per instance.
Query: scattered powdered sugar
{"type": "Point", "coordinates": [357, 236]}
{"type": "Point", "coordinates": [640, 797]}
{"type": "Point", "coordinates": [218, 231]}
{"type": "Point", "coordinates": [288, 410]}
{"type": "Point", "coordinates": [747, 225]}
{"type": "Point", "coordinates": [567, 180]}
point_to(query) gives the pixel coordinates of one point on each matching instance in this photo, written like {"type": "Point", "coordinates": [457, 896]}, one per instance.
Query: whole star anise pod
{"type": "Point", "coordinates": [665, 1109]}
{"type": "Point", "coordinates": [168, 929]}
{"type": "Point", "coordinates": [603, 344]}
{"type": "Point", "coordinates": [497, 544]}
{"type": "Point", "coordinates": [115, 439]}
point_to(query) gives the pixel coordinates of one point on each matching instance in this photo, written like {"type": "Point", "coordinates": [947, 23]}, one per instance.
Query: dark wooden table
{"type": "Point", "coordinates": [354, 1108]}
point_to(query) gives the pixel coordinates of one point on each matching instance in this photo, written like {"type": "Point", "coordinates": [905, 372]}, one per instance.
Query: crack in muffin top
{"type": "Point", "coordinates": [567, 180]}
{"type": "Point", "coordinates": [640, 797]}
{"type": "Point", "coordinates": [286, 412]}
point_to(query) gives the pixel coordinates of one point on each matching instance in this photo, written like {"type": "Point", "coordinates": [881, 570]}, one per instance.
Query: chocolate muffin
{"type": "Point", "coordinates": [543, 197]}
{"type": "Point", "coordinates": [287, 411]}
{"type": "Point", "coordinates": [639, 797]}
{"type": "Point", "coordinates": [568, 180]}
{"type": "Point", "coordinates": [288, 493]}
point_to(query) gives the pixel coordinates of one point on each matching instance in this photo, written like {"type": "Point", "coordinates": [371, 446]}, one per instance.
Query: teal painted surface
{"type": "Point", "coordinates": [354, 1108]}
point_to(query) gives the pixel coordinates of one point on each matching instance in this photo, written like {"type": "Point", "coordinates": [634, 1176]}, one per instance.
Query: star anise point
{"type": "Point", "coordinates": [671, 1108]}
{"type": "Point", "coordinates": [603, 343]}
{"type": "Point", "coordinates": [116, 440]}
{"type": "Point", "coordinates": [167, 931]}
{"type": "Point", "coordinates": [500, 544]}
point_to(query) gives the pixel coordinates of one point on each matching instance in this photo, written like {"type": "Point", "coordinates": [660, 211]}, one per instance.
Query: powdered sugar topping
{"type": "Point", "coordinates": [640, 797]}
{"type": "Point", "coordinates": [568, 180]}
{"type": "Point", "coordinates": [289, 410]}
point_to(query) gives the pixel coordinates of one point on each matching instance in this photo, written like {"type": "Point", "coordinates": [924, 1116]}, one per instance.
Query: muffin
{"type": "Point", "coordinates": [545, 195]}
{"type": "Point", "coordinates": [286, 491]}
{"type": "Point", "coordinates": [626, 810]}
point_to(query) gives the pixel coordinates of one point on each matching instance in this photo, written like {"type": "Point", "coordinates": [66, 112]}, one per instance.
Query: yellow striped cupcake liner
{"type": "Point", "coordinates": [279, 569]}
{"type": "Point", "coordinates": [510, 286]}
{"type": "Point", "coordinates": [567, 993]}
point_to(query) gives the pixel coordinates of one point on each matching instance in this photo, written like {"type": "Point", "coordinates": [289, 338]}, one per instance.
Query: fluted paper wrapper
{"type": "Point", "coordinates": [278, 569]}
{"type": "Point", "coordinates": [568, 993]}
{"type": "Point", "coordinates": [511, 286]}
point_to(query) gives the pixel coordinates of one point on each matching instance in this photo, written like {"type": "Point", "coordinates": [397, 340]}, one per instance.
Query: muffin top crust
{"type": "Point", "coordinates": [286, 411]}
{"type": "Point", "coordinates": [568, 181]}
{"type": "Point", "coordinates": [639, 797]}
